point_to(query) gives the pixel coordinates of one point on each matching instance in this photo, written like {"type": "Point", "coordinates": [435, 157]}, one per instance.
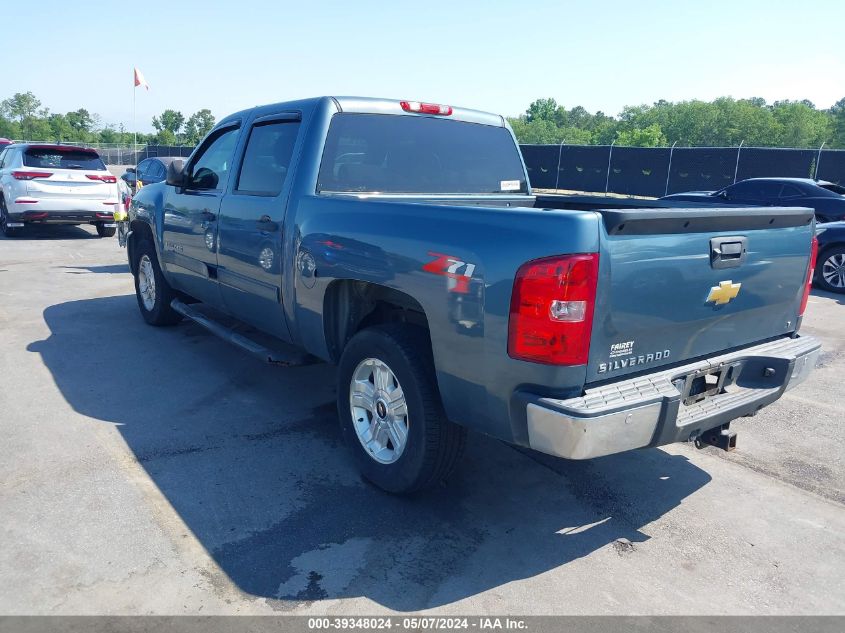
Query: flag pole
{"type": "Point", "coordinates": [134, 125]}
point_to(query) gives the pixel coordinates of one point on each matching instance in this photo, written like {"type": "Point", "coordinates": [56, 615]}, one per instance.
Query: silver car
{"type": "Point", "coordinates": [56, 184]}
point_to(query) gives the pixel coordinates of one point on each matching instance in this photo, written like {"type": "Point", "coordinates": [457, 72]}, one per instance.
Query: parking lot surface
{"type": "Point", "coordinates": [147, 470]}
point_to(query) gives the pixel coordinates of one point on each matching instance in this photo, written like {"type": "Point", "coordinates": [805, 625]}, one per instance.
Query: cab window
{"type": "Point", "coordinates": [141, 170]}
{"type": "Point", "coordinates": [211, 167]}
{"type": "Point", "coordinates": [156, 172]}
{"type": "Point", "coordinates": [267, 158]}
{"type": "Point", "coordinates": [790, 191]}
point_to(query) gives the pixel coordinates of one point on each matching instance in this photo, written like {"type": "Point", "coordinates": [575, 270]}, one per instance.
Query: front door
{"type": "Point", "coordinates": [189, 242]}
{"type": "Point", "coordinates": [250, 266]}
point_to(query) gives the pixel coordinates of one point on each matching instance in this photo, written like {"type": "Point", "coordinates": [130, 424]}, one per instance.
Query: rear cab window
{"type": "Point", "coordinates": [378, 153]}
{"type": "Point", "coordinates": [63, 158]}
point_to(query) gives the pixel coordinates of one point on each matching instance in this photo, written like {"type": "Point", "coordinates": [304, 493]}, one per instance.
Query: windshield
{"type": "Point", "coordinates": [62, 158]}
{"type": "Point", "coordinates": [409, 154]}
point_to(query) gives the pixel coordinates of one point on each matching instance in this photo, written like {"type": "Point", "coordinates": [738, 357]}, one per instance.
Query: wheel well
{"type": "Point", "coordinates": [350, 306]}
{"type": "Point", "coordinates": [829, 247]}
{"type": "Point", "coordinates": [140, 230]}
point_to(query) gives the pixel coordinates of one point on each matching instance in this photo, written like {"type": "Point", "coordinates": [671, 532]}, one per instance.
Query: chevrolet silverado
{"type": "Point", "coordinates": [400, 240]}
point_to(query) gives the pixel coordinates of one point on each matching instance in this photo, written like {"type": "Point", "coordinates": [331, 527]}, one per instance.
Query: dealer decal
{"type": "Point", "coordinates": [456, 271]}
{"type": "Point", "coordinates": [622, 349]}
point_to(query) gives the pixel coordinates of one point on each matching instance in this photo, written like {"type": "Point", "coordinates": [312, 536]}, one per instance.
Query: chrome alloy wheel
{"type": "Point", "coordinates": [379, 410]}
{"type": "Point", "coordinates": [147, 283]}
{"type": "Point", "coordinates": [833, 270]}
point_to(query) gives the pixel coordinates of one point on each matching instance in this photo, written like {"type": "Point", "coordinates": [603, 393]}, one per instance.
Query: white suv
{"type": "Point", "coordinates": [56, 184]}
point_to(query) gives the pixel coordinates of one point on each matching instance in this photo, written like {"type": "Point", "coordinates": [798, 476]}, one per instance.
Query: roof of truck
{"type": "Point", "coordinates": [371, 105]}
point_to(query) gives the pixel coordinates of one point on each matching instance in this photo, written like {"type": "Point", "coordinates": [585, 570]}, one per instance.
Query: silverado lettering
{"type": "Point", "coordinates": [642, 359]}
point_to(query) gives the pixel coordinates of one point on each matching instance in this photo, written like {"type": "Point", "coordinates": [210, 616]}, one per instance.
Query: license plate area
{"type": "Point", "coordinates": [704, 383]}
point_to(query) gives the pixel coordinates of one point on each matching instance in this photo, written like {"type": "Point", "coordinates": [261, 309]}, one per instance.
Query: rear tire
{"type": "Point", "coordinates": [4, 221]}
{"type": "Point", "coordinates": [105, 231]}
{"type": "Point", "coordinates": [153, 292]}
{"type": "Point", "coordinates": [830, 270]}
{"type": "Point", "coordinates": [390, 410]}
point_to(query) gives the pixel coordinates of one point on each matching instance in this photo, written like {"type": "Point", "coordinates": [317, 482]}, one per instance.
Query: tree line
{"type": "Point", "coordinates": [23, 118]}
{"type": "Point", "coordinates": [723, 122]}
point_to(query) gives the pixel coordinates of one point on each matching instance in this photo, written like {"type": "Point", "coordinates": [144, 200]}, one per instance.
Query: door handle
{"type": "Point", "coordinates": [728, 252]}
{"type": "Point", "coordinates": [266, 225]}
{"type": "Point", "coordinates": [208, 215]}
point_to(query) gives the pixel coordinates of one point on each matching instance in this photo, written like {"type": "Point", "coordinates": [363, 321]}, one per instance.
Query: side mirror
{"type": "Point", "coordinates": [176, 173]}
{"type": "Point", "coordinates": [130, 170]}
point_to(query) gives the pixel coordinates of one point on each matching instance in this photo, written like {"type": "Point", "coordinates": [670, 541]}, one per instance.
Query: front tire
{"type": "Point", "coordinates": [830, 270]}
{"type": "Point", "coordinates": [105, 231]}
{"type": "Point", "coordinates": [390, 410]}
{"type": "Point", "coordinates": [4, 221]}
{"type": "Point", "coordinates": [153, 292]}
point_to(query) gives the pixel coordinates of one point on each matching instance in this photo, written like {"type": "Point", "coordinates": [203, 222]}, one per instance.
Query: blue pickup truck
{"type": "Point", "coordinates": [401, 241]}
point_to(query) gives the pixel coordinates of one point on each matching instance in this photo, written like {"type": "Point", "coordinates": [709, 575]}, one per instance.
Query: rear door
{"type": "Point", "coordinates": [251, 219]}
{"type": "Point", "coordinates": [678, 284]}
{"type": "Point", "coordinates": [189, 240]}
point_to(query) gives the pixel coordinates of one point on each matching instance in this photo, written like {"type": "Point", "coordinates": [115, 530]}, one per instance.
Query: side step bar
{"type": "Point", "coordinates": [294, 358]}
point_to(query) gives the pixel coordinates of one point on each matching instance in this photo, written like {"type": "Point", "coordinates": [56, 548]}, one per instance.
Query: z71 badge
{"type": "Point", "coordinates": [448, 267]}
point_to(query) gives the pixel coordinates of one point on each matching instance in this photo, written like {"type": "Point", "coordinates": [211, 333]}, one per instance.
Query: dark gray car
{"type": "Point", "coordinates": [148, 171]}
{"type": "Point", "coordinates": [827, 199]}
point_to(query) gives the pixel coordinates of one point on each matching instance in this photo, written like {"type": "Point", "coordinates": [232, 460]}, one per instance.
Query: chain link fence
{"type": "Point", "coordinates": [658, 171]}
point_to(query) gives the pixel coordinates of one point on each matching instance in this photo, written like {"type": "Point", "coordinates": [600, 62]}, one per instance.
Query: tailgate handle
{"type": "Point", "coordinates": [728, 252]}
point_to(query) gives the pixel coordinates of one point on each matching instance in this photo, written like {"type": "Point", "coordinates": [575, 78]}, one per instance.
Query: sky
{"type": "Point", "coordinates": [497, 56]}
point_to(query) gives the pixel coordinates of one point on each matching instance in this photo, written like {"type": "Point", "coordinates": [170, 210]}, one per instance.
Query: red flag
{"type": "Point", "coordinates": [140, 81]}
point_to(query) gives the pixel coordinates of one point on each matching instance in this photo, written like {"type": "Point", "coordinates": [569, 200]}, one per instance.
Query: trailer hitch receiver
{"type": "Point", "coordinates": [720, 437]}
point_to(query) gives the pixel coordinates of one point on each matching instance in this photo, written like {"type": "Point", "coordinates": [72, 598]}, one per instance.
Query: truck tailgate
{"type": "Point", "coordinates": [679, 284]}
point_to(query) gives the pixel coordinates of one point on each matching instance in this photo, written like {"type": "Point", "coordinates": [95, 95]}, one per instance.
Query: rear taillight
{"type": "Point", "coordinates": [30, 175]}
{"type": "Point", "coordinates": [552, 304]}
{"type": "Point", "coordinates": [104, 178]}
{"type": "Point", "coordinates": [426, 108]}
{"type": "Point", "coordinates": [814, 251]}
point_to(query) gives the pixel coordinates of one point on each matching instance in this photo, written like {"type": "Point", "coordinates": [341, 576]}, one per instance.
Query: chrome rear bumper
{"type": "Point", "coordinates": [650, 411]}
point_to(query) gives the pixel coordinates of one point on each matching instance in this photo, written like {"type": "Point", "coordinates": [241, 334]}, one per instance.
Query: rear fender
{"type": "Point", "coordinates": [458, 263]}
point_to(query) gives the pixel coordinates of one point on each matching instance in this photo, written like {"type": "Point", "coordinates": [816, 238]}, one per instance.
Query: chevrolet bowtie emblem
{"type": "Point", "coordinates": [724, 292]}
